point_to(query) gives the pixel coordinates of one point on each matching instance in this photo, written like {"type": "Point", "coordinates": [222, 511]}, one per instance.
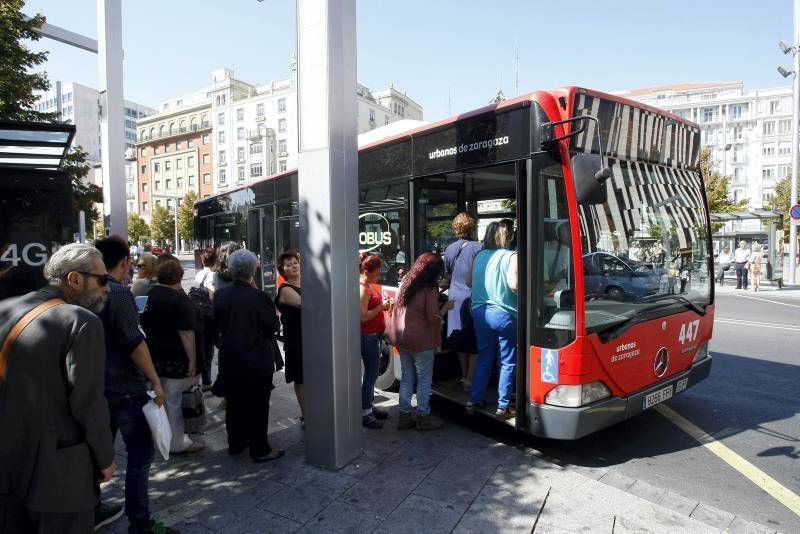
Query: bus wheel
{"type": "Point", "coordinates": [387, 380]}
{"type": "Point", "coordinates": [616, 293]}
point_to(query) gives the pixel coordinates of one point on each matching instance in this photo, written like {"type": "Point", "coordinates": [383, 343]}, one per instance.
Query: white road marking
{"type": "Point", "coordinates": [757, 323]}
{"type": "Point", "coordinates": [765, 300]}
{"type": "Point", "coordinates": [778, 491]}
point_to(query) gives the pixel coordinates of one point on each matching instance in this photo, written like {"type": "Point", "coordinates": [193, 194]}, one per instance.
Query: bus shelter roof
{"type": "Point", "coordinates": [34, 146]}
{"type": "Point", "coordinates": [744, 215]}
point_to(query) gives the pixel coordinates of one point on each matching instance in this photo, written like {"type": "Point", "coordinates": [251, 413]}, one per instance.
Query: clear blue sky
{"type": "Point", "coordinates": [429, 47]}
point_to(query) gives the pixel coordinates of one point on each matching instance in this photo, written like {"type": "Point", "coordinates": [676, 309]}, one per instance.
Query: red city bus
{"type": "Point", "coordinates": [616, 299]}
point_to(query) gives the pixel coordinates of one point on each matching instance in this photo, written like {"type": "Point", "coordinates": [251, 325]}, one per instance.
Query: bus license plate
{"type": "Point", "coordinates": [681, 385]}
{"type": "Point", "coordinates": [657, 397]}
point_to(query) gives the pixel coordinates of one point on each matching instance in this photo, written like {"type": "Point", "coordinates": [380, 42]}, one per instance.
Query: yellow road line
{"type": "Point", "coordinates": [778, 491]}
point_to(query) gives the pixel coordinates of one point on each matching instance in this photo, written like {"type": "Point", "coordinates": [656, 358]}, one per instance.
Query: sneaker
{"type": "Point", "coordinates": [105, 514]}
{"type": "Point", "coordinates": [370, 421]}
{"type": "Point", "coordinates": [157, 527]}
{"type": "Point", "coordinates": [505, 413]}
{"type": "Point", "coordinates": [428, 422]}
{"type": "Point", "coordinates": [405, 421]}
{"type": "Point", "coordinates": [380, 413]}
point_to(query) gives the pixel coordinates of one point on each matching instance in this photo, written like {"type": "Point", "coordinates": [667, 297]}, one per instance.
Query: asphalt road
{"type": "Point", "coordinates": [750, 402]}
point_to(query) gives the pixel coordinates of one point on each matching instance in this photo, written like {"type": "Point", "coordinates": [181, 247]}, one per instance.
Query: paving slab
{"type": "Point", "coordinates": [711, 515]}
{"type": "Point", "coordinates": [420, 514]}
{"type": "Point", "coordinates": [342, 518]}
{"type": "Point", "coordinates": [499, 509]}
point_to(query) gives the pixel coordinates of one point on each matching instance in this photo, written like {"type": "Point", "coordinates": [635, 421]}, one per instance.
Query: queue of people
{"type": "Point", "coordinates": [81, 353]}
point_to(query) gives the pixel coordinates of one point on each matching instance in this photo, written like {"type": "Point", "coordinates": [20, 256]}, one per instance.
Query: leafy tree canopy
{"type": "Point", "coordinates": [780, 200]}
{"type": "Point", "coordinates": [162, 223]}
{"type": "Point", "coordinates": [137, 227]}
{"type": "Point", "coordinates": [186, 216]}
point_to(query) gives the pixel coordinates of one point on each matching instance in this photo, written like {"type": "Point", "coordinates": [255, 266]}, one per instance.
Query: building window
{"type": "Point", "coordinates": [784, 149]}
{"type": "Point", "coordinates": [709, 114]}
{"type": "Point", "coordinates": [178, 164]}
{"type": "Point", "coordinates": [206, 139]}
{"type": "Point", "coordinates": [143, 152]}
{"type": "Point", "coordinates": [206, 158]}
{"type": "Point", "coordinates": [282, 165]}
{"type": "Point", "coordinates": [282, 146]}
{"type": "Point", "coordinates": [144, 169]}
{"type": "Point", "coordinates": [240, 153]}
{"type": "Point", "coordinates": [144, 206]}
{"type": "Point", "coordinates": [168, 184]}
{"type": "Point", "coordinates": [179, 183]}
{"type": "Point", "coordinates": [738, 111]}
{"type": "Point", "coordinates": [774, 107]}
{"type": "Point", "coordinates": [168, 165]}
{"type": "Point", "coordinates": [190, 143]}
{"type": "Point", "coordinates": [191, 180]}
{"type": "Point", "coordinates": [768, 150]}
{"type": "Point", "coordinates": [371, 115]}
{"type": "Point", "coordinates": [259, 110]}
{"type": "Point", "coordinates": [784, 171]}
{"type": "Point", "coordinates": [221, 136]}
{"type": "Point", "coordinates": [240, 174]}
{"type": "Point", "coordinates": [156, 150]}
{"type": "Point", "coordinates": [769, 128]}
{"type": "Point", "coordinates": [158, 185]}
{"type": "Point", "coordinates": [738, 174]}
{"type": "Point", "coordinates": [190, 162]}
{"type": "Point", "coordinates": [767, 173]}
{"type": "Point", "coordinates": [178, 145]}
{"type": "Point", "coordinates": [144, 187]}
{"type": "Point", "coordinates": [282, 125]}
{"type": "Point", "coordinates": [222, 176]}
{"type": "Point", "coordinates": [240, 114]}
{"type": "Point", "coordinates": [206, 178]}
{"type": "Point", "coordinates": [220, 119]}
{"type": "Point", "coordinates": [255, 170]}
{"type": "Point", "coordinates": [240, 133]}
{"type": "Point", "coordinates": [385, 119]}
{"type": "Point", "coordinates": [256, 148]}
{"type": "Point", "coordinates": [221, 159]}
{"type": "Point", "coordinates": [785, 126]}
{"type": "Point", "coordinates": [738, 132]}
{"type": "Point", "coordinates": [281, 105]}
{"type": "Point", "coordinates": [766, 193]}
{"type": "Point", "coordinates": [156, 167]}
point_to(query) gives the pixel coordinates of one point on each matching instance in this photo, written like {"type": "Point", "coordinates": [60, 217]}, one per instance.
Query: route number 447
{"type": "Point", "coordinates": [689, 331]}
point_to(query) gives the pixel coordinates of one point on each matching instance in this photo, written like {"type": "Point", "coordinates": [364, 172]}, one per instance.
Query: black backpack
{"type": "Point", "coordinates": [202, 299]}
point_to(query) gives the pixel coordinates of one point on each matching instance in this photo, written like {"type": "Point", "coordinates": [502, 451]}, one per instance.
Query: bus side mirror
{"type": "Point", "coordinates": [590, 178]}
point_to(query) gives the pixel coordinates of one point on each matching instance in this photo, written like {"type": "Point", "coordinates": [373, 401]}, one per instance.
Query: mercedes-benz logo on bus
{"type": "Point", "coordinates": [661, 363]}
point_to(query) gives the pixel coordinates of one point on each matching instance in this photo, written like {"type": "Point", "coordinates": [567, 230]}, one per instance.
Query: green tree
{"type": "Point", "coordinates": [85, 195]}
{"type": "Point", "coordinates": [186, 216]}
{"type": "Point", "coordinates": [137, 227]}
{"type": "Point", "coordinates": [780, 200]}
{"type": "Point", "coordinates": [162, 223]}
{"type": "Point", "coordinates": [17, 84]}
{"type": "Point", "coordinates": [718, 189]}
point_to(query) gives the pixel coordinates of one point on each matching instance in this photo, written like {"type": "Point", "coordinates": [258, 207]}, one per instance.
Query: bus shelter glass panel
{"type": "Point", "coordinates": [437, 205]}
{"type": "Point", "coordinates": [645, 249]}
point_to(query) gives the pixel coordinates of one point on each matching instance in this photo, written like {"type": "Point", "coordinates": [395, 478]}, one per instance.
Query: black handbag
{"type": "Point", "coordinates": [194, 410]}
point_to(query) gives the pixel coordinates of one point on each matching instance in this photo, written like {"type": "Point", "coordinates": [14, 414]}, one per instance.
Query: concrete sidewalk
{"type": "Point", "coordinates": [452, 480]}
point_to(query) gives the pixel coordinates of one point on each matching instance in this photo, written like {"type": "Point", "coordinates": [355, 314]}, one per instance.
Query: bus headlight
{"type": "Point", "coordinates": [701, 353]}
{"type": "Point", "coordinates": [579, 395]}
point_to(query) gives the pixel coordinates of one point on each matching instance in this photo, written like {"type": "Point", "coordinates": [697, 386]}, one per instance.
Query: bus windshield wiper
{"type": "Point", "coordinates": [679, 298]}
{"type": "Point", "coordinates": [620, 328]}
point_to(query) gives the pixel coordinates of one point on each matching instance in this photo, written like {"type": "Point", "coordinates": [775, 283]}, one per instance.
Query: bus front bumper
{"type": "Point", "coordinates": [558, 422]}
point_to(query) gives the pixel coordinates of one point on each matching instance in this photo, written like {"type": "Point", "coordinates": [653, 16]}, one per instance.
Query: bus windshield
{"type": "Point", "coordinates": [645, 250]}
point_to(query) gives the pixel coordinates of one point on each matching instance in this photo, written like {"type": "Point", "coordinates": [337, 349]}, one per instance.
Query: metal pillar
{"type": "Point", "coordinates": [112, 135]}
{"type": "Point", "coordinates": [328, 190]}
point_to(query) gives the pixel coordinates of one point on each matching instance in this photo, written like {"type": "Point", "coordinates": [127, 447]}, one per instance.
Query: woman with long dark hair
{"type": "Point", "coordinates": [373, 324]}
{"type": "Point", "coordinates": [415, 329]}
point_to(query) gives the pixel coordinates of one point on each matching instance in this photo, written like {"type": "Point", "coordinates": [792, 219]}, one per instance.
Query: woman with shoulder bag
{"type": "Point", "coordinates": [415, 329]}
{"type": "Point", "coordinates": [373, 325]}
{"type": "Point", "coordinates": [724, 260]}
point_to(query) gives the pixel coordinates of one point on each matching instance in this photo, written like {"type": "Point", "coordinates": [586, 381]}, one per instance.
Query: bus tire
{"type": "Point", "coordinates": [387, 380]}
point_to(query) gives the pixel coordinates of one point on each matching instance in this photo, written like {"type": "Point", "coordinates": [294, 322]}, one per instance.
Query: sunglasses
{"type": "Point", "coordinates": [102, 279]}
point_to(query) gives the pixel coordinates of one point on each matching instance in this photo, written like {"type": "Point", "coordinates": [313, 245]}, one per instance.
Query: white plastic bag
{"type": "Point", "coordinates": [159, 425]}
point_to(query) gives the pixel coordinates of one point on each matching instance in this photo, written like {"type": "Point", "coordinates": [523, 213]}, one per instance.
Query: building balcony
{"type": "Point", "coordinates": [255, 134]}
{"type": "Point", "coordinates": [175, 132]}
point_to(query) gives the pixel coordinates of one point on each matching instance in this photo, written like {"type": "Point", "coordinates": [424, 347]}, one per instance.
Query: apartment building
{"type": "Point", "coordinates": [174, 155]}
{"type": "Point", "coordinates": [749, 133]}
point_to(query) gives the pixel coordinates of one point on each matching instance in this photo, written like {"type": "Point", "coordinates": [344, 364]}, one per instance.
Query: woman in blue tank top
{"type": "Point", "coordinates": [494, 312]}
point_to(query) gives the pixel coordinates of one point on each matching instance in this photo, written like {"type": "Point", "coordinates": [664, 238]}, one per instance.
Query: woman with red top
{"type": "Point", "coordinates": [372, 327]}
{"type": "Point", "coordinates": [416, 329]}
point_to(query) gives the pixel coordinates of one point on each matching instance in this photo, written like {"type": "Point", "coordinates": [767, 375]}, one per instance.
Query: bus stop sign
{"type": "Point", "coordinates": [794, 212]}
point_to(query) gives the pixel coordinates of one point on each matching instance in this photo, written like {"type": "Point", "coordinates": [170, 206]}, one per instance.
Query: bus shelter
{"type": "Point", "coordinates": [36, 215]}
{"type": "Point", "coordinates": [770, 237]}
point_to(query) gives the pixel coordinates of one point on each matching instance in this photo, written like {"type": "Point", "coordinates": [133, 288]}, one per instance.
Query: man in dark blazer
{"type": "Point", "coordinates": [56, 441]}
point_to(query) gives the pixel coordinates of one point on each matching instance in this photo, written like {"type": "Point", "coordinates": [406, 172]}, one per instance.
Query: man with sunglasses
{"type": "Point", "coordinates": [128, 369]}
{"type": "Point", "coordinates": [56, 441]}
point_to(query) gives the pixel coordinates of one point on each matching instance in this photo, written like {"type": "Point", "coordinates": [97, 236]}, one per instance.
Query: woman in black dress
{"type": "Point", "coordinates": [288, 302]}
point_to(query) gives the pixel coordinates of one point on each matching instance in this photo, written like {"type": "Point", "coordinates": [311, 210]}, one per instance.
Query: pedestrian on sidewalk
{"type": "Point", "coordinates": [204, 279]}
{"type": "Point", "coordinates": [246, 322]}
{"type": "Point", "coordinates": [458, 258]}
{"type": "Point", "coordinates": [288, 302]}
{"type": "Point", "coordinates": [724, 261]}
{"type": "Point", "coordinates": [754, 261]}
{"type": "Point", "coordinates": [145, 275]}
{"type": "Point", "coordinates": [494, 310]}
{"type": "Point", "coordinates": [128, 368]}
{"type": "Point", "coordinates": [373, 324]}
{"type": "Point", "coordinates": [740, 256]}
{"type": "Point", "coordinates": [415, 328]}
{"type": "Point", "coordinates": [170, 321]}
{"type": "Point", "coordinates": [222, 276]}
{"type": "Point", "coordinates": [56, 440]}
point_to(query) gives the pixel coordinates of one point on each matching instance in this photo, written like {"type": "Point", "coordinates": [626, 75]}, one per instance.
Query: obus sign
{"type": "Point", "coordinates": [794, 213]}
{"type": "Point", "coordinates": [373, 232]}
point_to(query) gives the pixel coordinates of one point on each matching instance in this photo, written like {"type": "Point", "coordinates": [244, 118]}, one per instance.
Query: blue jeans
{"type": "Point", "coordinates": [417, 368]}
{"type": "Point", "coordinates": [496, 330]}
{"type": "Point", "coordinates": [128, 418]}
{"type": "Point", "coordinates": [370, 353]}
